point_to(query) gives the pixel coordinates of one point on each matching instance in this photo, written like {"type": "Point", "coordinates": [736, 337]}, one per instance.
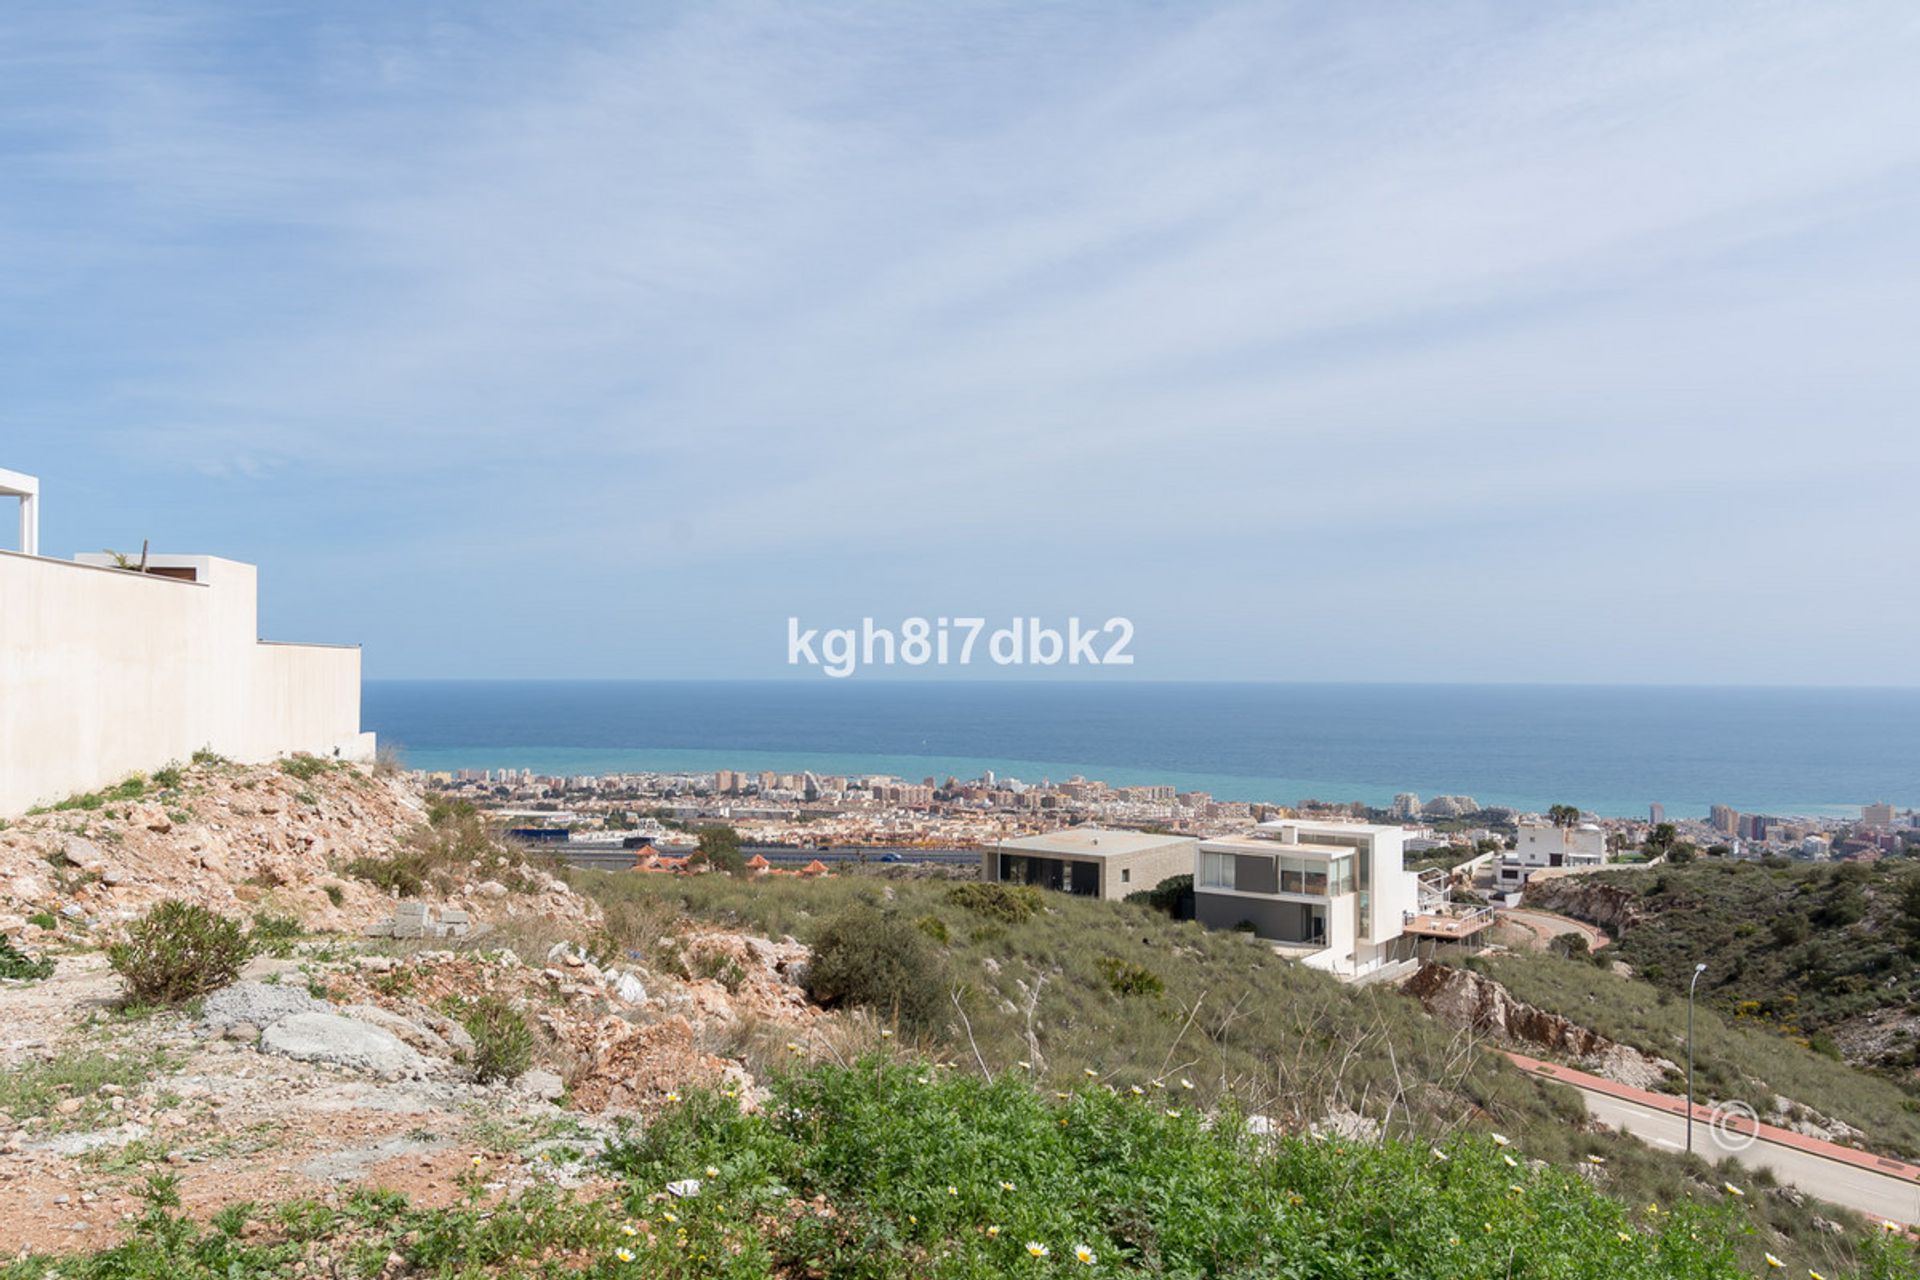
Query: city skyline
{"type": "Point", "coordinates": [1397, 344]}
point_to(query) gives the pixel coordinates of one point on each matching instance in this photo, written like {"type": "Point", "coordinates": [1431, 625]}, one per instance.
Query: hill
{"type": "Point", "coordinates": [507, 1101]}
{"type": "Point", "coordinates": [1827, 954]}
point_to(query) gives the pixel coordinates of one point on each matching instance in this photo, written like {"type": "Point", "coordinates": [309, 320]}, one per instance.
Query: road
{"type": "Point", "coordinates": [1546, 926]}
{"type": "Point", "coordinates": [1883, 1188]}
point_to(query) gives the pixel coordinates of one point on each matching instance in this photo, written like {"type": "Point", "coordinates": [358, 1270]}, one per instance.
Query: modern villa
{"type": "Point", "coordinates": [1335, 893]}
{"type": "Point", "coordinates": [1090, 861]}
{"type": "Point", "coordinates": [1545, 846]}
{"type": "Point", "coordinates": [107, 669]}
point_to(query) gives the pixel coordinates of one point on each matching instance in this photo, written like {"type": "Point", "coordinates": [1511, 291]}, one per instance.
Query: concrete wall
{"type": "Point", "coordinates": [1148, 868]}
{"type": "Point", "coordinates": [104, 672]}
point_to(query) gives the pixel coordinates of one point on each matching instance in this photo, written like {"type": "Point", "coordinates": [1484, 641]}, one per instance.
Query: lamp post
{"type": "Point", "coordinates": [1698, 969]}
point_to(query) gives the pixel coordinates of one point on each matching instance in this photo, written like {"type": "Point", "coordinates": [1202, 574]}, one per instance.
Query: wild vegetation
{"type": "Point", "coordinates": [177, 951]}
{"type": "Point", "coordinates": [1800, 948]}
{"type": "Point", "coordinates": [1232, 1024]}
{"type": "Point", "coordinates": [1733, 1057]}
{"type": "Point", "coordinates": [883, 1170]}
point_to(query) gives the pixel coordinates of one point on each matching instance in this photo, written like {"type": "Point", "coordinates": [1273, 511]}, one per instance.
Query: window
{"type": "Point", "coordinates": [1126, 875]}
{"type": "Point", "coordinates": [1216, 870]}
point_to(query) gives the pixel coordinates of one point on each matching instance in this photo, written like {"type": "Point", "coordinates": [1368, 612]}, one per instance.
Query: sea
{"type": "Point", "coordinates": [1613, 750]}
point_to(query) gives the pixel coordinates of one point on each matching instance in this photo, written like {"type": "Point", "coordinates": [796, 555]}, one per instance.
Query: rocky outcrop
{"type": "Point", "coordinates": [242, 840]}
{"type": "Point", "coordinates": [1584, 898]}
{"type": "Point", "coordinates": [1462, 998]}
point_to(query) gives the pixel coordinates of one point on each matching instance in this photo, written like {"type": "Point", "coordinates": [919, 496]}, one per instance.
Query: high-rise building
{"type": "Point", "coordinates": [1656, 813]}
{"type": "Point", "coordinates": [1725, 819]}
{"type": "Point", "coordinates": [1877, 815]}
{"type": "Point", "coordinates": [1405, 805]}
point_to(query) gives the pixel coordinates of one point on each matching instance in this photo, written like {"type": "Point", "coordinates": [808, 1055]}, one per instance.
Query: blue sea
{"type": "Point", "coordinates": [1609, 749]}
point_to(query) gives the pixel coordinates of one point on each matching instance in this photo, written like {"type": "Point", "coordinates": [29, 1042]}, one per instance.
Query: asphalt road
{"type": "Point", "coordinates": [1831, 1180]}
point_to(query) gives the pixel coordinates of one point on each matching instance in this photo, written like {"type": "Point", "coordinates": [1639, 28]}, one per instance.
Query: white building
{"type": "Point", "coordinates": [106, 671]}
{"type": "Point", "coordinates": [1543, 845]}
{"type": "Point", "coordinates": [1339, 890]}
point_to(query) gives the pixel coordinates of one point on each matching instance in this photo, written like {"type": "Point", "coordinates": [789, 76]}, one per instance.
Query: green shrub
{"type": "Point", "coordinates": [275, 934]}
{"type": "Point", "coordinates": [1166, 896]}
{"type": "Point", "coordinates": [401, 872]}
{"type": "Point", "coordinates": [44, 920]}
{"type": "Point", "coordinates": [167, 778]}
{"type": "Point", "coordinates": [177, 951]}
{"type": "Point", "coordinates": [304, 767]}
{"type": "Point", "coordinates": [1126, 978]}
{"type": "Point", "coordinates": [502, 1040]}
{"type": "Point", "coordinates": [934, 927]}
{"type": "Point", "coordinates": [1007, 903]}
{"type": "Point", "coordinates": [872, 958]}
{"type": "Point", "coordinates": [335, 894]}
{"type": "Point", "coordinates": [17, 964]}
{"type": "Point", "coordinates": [208, 756]}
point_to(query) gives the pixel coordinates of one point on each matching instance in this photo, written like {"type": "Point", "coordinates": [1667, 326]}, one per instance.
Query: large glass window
{"type": "Point", "coordinates": [1216, 870]}
{"type": "Point", "coordinates": [1292, 875]}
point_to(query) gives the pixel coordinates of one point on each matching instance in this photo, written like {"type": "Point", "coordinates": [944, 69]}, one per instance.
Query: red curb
{"type": "Point", "coordinates": [1678, 1107]}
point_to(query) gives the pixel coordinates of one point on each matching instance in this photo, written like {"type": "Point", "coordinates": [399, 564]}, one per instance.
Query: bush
{"type": "Point", "coordinates": [1570, 945]}
{"type": "Point", "coordinates": [1166, 896]}
{"type": "Point", "coordinates": [1126, 978]}
{"type": "Point", "coordinates": [304, 767]}
{"type": "Point", "coordinates": [167, 778]}
{"type": "Point", "coordinates": [17, 964]}
{"type": "Point", "coordinates": [178, 951]}
{"type": "Point", "coordinates": [502, 1040]}
{"type": "Point", "coordinates": [934, 927]}
{"type": "Point", "coordinates": [1007, 903]}
{"type": "Point", "coordinates": [873, 958]}
{"type": "Point", "coordinates": [403, 873]}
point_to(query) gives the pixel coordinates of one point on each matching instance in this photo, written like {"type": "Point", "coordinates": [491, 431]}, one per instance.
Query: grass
{"type": "Point", "coordinates": [1733, 1058]}
{"type": "Point", "coordinates": [36, 1088]}
{"type": "Point", "coordinates": [1232, 1018]}
{"type": "Point", "coordinates": [133, 787]}
{"type": "Point", "coordinates": [455, 845]}
{"type": "Point", "coordinates": [883, 1171]}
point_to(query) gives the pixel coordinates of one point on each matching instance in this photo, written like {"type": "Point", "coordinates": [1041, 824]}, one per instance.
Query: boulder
{"type": "Point", "coordinates": [409, 1032]}
{"type": "Point", "coordinates": [339, 1041]}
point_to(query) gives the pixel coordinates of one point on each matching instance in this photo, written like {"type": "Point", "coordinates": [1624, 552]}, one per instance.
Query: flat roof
{"type": "Point", "coordinates": [1261, 844]}
{"type": "Point", "coordinates": [1094, 842]}
{"type": "Point", "coordinates": [1332, 825]}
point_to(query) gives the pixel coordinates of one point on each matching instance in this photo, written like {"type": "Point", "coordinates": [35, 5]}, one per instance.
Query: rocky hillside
{"type": "Point", "coordinates": [1828, 954]}
{"type": "Point", "coordinates": [1463, 998]}
{"type": "Point", "coordinates": [241, 840]}
{"type": "Point", "coordinates": [339, 1060]}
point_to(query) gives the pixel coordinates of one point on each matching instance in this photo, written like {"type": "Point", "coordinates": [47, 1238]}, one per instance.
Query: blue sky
{"type": "Point", "coordinates": [1420, 341]}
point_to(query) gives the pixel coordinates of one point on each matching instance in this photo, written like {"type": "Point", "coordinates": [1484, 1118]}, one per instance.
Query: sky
{"type": "Point", "coordinates": [1468, 341]}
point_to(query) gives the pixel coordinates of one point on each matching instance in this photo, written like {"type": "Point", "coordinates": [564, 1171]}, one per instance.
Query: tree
{"type": "Point", "coordinates": [719, 848]}
{"type": "Point", "coordinates": [1564, 815]}
{"type": "Point", "coordinates": [1661, 838]}
{"type": "Point", "coordinates": [1681, 854]}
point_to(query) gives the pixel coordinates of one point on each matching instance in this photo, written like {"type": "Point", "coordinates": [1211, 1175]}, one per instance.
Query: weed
{"type": "Point", "coordinates": [176, 951]}
{"type": "Point", "coordinates": [18, 965]}
{"type": "Point", "coordinates": [502, 1040]}
{"type": "Point", "coordinates": [1130, 978]}
{"type": "Point", "coordinates": [304, 767]}
{"type": "Point", "coordinates": [1007, 903]}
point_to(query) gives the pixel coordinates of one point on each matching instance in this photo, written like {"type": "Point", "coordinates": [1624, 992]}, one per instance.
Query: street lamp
{"type": "Point", "coordinates": [1698, 969]}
